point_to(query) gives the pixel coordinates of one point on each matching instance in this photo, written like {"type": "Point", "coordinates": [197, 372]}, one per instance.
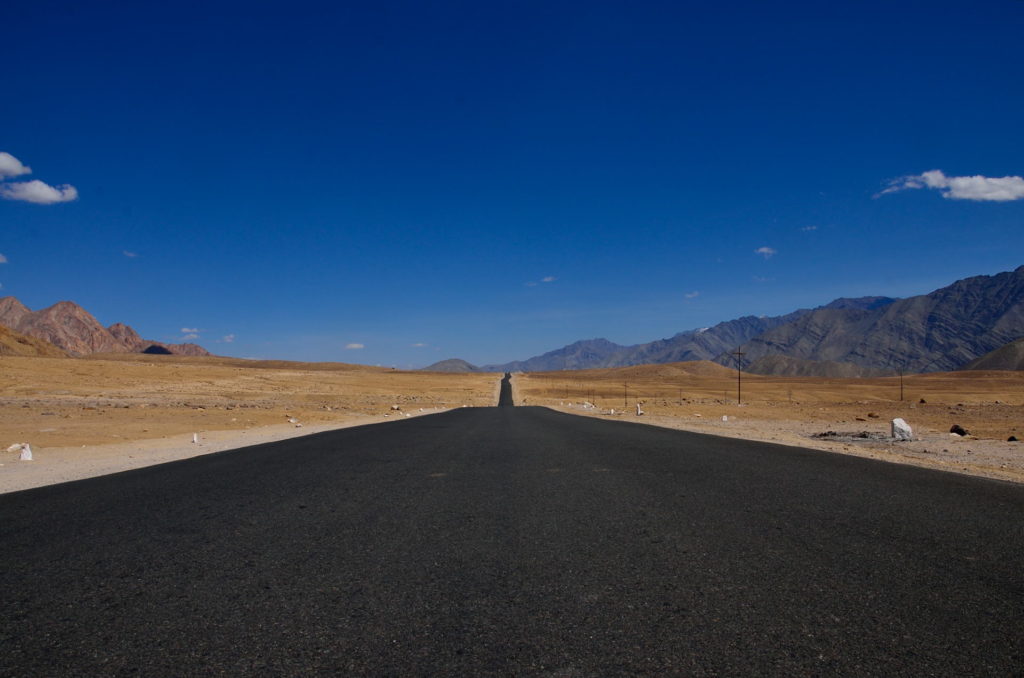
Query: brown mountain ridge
{"type": "Point", "coordinates": [72, 329]}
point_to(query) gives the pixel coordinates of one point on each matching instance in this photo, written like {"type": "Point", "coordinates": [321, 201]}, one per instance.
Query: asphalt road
{"type": "Point", "coordinates": [514, 541]}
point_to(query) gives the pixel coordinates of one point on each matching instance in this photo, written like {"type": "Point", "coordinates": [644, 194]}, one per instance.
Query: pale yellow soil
{"type": "Point", "coordinates": [791, 410]}
{"type": "Point", "coordinates": [88, 416]}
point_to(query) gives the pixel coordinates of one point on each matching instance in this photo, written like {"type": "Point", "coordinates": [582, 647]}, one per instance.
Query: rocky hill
{"type": "Point", "coordinates": [452, 365]}
{"type": "Point", "coordinates": [1007, 357]}
{"type": "Point", "coordinates": [16, 343]}
{"type": "Point", "coordinates": [70, 327]}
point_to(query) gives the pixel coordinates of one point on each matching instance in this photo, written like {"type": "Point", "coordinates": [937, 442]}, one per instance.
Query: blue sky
{"type": "Point", "coordinates": [400, 182]}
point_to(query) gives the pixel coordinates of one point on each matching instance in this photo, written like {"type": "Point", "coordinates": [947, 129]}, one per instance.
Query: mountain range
{"type": "Point", "coordinates": [73, 330]}
{"type": "Point", "coordinates": [849, 337]}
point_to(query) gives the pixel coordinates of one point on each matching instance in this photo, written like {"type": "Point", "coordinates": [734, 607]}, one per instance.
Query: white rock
{"type": "Point", "coordinates": [725, 417]}
{"type": "Point", "coordinates": [901, 430]}
{"type": "Point", "coordinates": [293, 420]}
{"type": "Point", "coordinates": [638, 410]}
{"type": "Point", "coordinates": [26, 452]}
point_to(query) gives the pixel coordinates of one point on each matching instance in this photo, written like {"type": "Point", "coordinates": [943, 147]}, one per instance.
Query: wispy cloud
{"type": "Point", "coordinates": [190, 337]}
{"type": "Point", "coordinates": [11, 166]}
{"type": "Point", "coordinates": [3, 259]}
{"type": "Point", "coordinates": [548, 278]}
{"type": "Point", "coordinates": [38, 192]}
{"type": "Point", "coordinates": [130, 255]}
{"type": "Point", "coordinates": [979, 188]}
{"type": "Point", "coordinates": [766, 252]}
{"type": "Point", "coordinates": [809, 228]}
{"type": "Point", "coordinates": [228, 339]}
{"type": "Point", "coordinates": [418, 344]}
{"type": "Point", "coordinates": [692, 295]}
{"type": "Point", "coordinates": [354, 347]}
{"type": "Point", "coordinates": [762, 279]}
{"type": "Point", "coordinates": [190, 330]}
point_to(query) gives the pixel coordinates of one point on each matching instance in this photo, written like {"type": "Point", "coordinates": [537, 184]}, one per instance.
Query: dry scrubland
{"type": "Point", "coordinates": [85, 416]}
{"type": "Point", "coordinates": [792, 410]}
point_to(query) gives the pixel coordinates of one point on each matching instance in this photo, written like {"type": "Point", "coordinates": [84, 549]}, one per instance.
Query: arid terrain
{"type": "Point", "coordinates": [100, 414]}
{"type": "Point", "coordinates": [796, 410]}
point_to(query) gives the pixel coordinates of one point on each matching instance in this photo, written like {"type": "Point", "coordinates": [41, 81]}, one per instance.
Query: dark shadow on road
{"type": "Point", "coordinates": [505, 399]}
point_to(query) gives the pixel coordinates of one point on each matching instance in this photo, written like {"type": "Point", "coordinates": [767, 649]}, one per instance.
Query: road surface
{"type": "Point", "coordinates": [514, 541]}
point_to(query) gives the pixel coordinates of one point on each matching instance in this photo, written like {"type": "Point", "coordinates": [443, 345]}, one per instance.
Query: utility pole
{"type": "Point", "coordinates": [739, 379]}
{"type": "Point", "coordinates": [625, 401]}
{"type": "Point", "coordinates": [901, 380]}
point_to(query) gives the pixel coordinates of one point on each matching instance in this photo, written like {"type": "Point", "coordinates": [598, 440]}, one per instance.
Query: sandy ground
{"type": "Point", "coordinates": [794, 411]}
{"type": "Point", "coordinates": [90, 416]}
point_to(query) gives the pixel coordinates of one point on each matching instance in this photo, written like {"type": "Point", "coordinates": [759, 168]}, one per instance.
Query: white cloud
{"type": "Point", "coordinates": [354, 347]}
{"type": "Point", "coordinates": [809, 228]}
{"type": "Point", "coordinates": [766, 252]}
{"type": "Point", "coordinates": [130, 255]}
{"type": "Point", "coordinates": [418, 344]}
{"type": "Point", "coordinates": [190, 337]}
{"type": "Point", "coordinates": [692, 295]}
{"type": "Point", "coordinates": [3, 259]}
{"type": "Point", "coordinates": [548, 278]}
{"type": "Point", "coordinates": [979, 188]}
{"type": "Point", "coordinates": [531, 284]}
{"type": "Point", "coordinates": [38, 192]}
{"type": "Point", "coordinates": [228, 338]}
{"type": "Point", "coordinates": [11, 166]}
{"type": "Point", "coordinates": [190, 330]}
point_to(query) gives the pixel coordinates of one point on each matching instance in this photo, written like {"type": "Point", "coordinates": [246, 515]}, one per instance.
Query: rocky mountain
{"type": "Point", "coordinates": [16, 343]}
{"type": "Point", "coordinates": [1007, 357]}
{"type": "Point", "coordinates": [865, 336]}
{"type": "Point", "coordinates": [70, 327]}
{"type": "Point", "coordinates": [452, 365]}
{"type": "Point", "coordinates": [706, 343]}
{"type": "Point", "coordinates": [939, 331]}
{"type": "Point", "coordinates": [578, 356]}
{"type": "Point", "coordinates": [784, 366]}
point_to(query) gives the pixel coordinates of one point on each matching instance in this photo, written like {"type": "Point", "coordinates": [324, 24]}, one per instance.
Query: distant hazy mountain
{"type": "Point", "coordinates": [578, 356]}
{"type": "Point", "coordinates": [1007, 357]}
{"type": "Point", "coordinates": [784, 366]}
{"type": "Point", "coordinates": [452, 365]}
{"type": "Point", "coordinates": [705, 343]}
{"type": "Point", "coordinates": [865, 336]}
{"type": "Point", "coordinates": [940, 331]}
{"type": "Point", "coordinates": [70, 327]}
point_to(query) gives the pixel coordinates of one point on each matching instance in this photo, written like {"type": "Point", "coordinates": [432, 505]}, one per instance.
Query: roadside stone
{"type": "Point", "coordinates": [901, 430]}
{"type": "Point", "coordinates": [958, 429]}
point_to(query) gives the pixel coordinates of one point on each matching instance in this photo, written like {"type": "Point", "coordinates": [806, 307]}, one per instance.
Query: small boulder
{"type": "Point", "coordinates": [23, 450]}
{"type": "Point", "coordinates": [923, 401]}
{"type": "Point", "coordinates": [901, 430]}
{"type": "Point", "coordinates": [958, 429]}
{"type": "Point", "coordinates": [1011, 439]}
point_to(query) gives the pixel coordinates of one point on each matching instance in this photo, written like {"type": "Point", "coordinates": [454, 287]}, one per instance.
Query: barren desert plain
{"type": "Point", "coordinates": [106, 413]}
